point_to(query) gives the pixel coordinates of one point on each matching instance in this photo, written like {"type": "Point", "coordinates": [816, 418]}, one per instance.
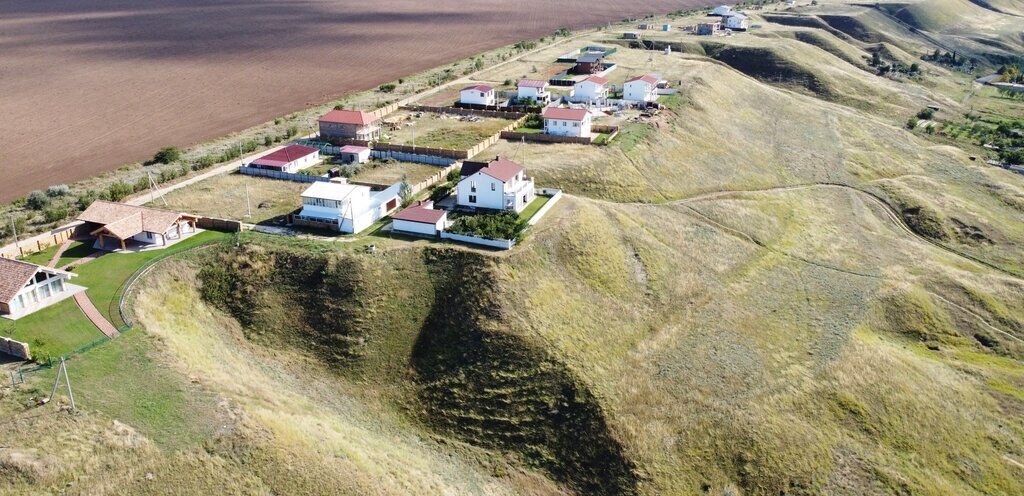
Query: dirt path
{"type": "Point", "coordinates": [95, 316]}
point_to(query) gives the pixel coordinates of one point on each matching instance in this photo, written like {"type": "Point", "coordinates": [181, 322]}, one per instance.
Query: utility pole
{"type": "Point", "coordinates": [248, 206]}
{"type": "Point", "coordinates": [14, 229]}
{"type": "Point", "coordinates": [63, 369]}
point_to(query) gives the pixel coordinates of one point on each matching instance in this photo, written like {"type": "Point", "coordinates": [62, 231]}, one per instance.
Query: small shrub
{"type": "Point", "coordinates": [37, 200]}
{"type": "Point", "coordinates": [268, 141]}
{"type": "Point", "coordinates": [387, 87]}
{"type": "Point", "coordinates": [119, 190]}
{"type": "Point", "coordinates": [85, 199]}
{"type": "Point", "coordinates": [912, 123]}
{"type": "Point", "coordinates": [926, 113]}
{"type": "Point", "coordinates": [55, 214]}
{"type": "Point", "coordinates": [501, 225]}
{"type": "Point", "coordinates": [58, 190]}
{"type": "Point", "coordinates": [292, 131]}
{"type": "Point", "coordinates": [278, 121]}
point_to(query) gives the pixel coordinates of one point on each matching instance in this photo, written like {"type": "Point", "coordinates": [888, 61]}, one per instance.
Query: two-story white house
{"type": "Point", "coordinates": [480, 94]}
{"type": "Point", "coordinates": [567, 122]}
{"type": "Point", "coordinates": [592, 89]}
{"type": "Point", "coordinates": [347, 208]}
{"type": "Point", "coordinates": [640, 89]}
{"type": "Point", "coordinates": [533, 90]}
{"type": "Point", "coordinates": [27, 287]}
{"type": "Point", "coordinates": [735, 21]}
{"type": "Point", "coordinates": [500, 184]}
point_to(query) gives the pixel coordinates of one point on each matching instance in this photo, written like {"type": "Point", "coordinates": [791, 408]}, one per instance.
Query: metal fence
{"type": "Point", "coordinates": [284, 176]}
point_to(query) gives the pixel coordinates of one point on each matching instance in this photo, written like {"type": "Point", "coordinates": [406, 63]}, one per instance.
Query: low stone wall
{"type": "Point", "coordinates": [15, 348]}
{"type": "Point", "coordinates": [221, 225]}
{"type": "Point", "coordinates": [555, 194]}
{"type": "Point", "coordinates": [42, 241]}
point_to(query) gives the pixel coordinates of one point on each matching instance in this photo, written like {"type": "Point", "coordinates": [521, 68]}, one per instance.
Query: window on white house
{"type": "Point", "coordinates": [492, 186]}
{"type": "Point", "coordinates": [44, 291]}
{"type": "Point", "coordinates": [575, 124]}
{"type": "Point", "coordinates": [472, 198]}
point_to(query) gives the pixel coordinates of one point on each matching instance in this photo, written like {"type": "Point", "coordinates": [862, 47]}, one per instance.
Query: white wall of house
{"type": "Point", "coordinates": [585, 91]}
{"type": "Point", "coordinates": [303, 163]}
{"type": "Point", "coordinates": [353, 213]}
{"type": "Point", "coordinates": [482, 191]}
{"type": "Point", "coordinates": [562, 127]}
{"type": "Point", "coordinates": [533, 94]}
{"type": "Point", "coordinates": [37, 295]}
{"type": "Point", "coordinates": [477, 97]}
{"type": "Point", "coordinates": [423, 228]}
{"type": "Point", "coordinates": [640, 91]}
{"type": "Point", "coordinates": [736, 22]}
{"type": "Point", "coordinates": [361, 157]}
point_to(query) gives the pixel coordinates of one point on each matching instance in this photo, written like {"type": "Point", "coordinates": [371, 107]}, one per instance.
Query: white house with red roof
{"type": "Point", "coordinates": [420, 218]}
{"type": "Point", "coordinates": [349, 124]}
{"type": "Point", "coordinates": [567, 122]}
{"type": "Point", "coordinates": [592, 89]}
{"type": "Point", "coordinates": [533, 90]}
{"type": "Point", "coordinates": [27, 287]}
{"type": "Point", "coordinates": [641, 89]}
{"type": "Point", "coordinates": [500, 184]}
{"type": "Point", "coordinates": [291, 158]}
{"type": "Point", "coordinates": [480, 94]}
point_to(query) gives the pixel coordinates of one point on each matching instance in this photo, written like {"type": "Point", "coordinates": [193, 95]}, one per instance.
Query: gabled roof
{"type": "Point", "coordinates": [479, 87]}
{"type": "Point", "coordinates": [647, 78]}
{"type": "Point", "coordinates": [502, 169]}
{"type": "Point", "coordinates": [331, 191]}
{"type": "Point", "coordinates": [14, 275]}
{"type": "Point", "coordinates": [531, 83]}
{"type": "Point", "coordinates": [590, 58]}
{"type": "Point", "coordinates": [565, 114]}
{"type": "Point", "coordinates": [738, 15]}
{"type": "Point", "coordinates": [355, 117]}
{"type": "Point", "coordinates": [285, 156]}
{"type": "Point", "coordinates": [598, 80]}
{"type": "Point", "coordinates": [421, 212]}
{"type": "Point", "coordinates": [469, 168]}
{"type": "Point", "coordinates": [125, 221]}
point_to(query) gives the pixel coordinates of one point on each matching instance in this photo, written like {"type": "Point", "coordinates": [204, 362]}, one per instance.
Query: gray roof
{"type": "Point", "coordinates": [590, 57]}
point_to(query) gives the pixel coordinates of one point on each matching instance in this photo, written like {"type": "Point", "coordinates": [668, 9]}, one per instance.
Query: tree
{"type": "Point", "coordinates": [875, 59]}
{"type": "Point", "coordinates": [405, 191]}
{"type": "Point", "coordinates": [167, 155]}
{"type": "Point", "coordinates": [915, 68]}
{"type": "Point", "coordinates": [119, 190]}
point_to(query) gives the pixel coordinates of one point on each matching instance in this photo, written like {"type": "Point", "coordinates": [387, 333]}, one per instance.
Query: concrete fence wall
{"type": "Point", "coordinates": [284, 176]}
{"type": "Point", "coordinates": [412, 157]}
{"type": "Point", "coordinates": [555, 194]}
{"type": "Point", "coordinates": [544, 138]}
{"type": "Point", "coordinates": [222, 225]}
{"type": "Point", "coordinates": [15, 348]}
{"type": "Point", "coordinates": [503, 244]}
{"type": "Point", "coordinates": [436, 178]}
{"type": "Point", "coordinates": [482, 111]}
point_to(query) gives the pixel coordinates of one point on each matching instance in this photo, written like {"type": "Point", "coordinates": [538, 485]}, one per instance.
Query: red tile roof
{"type": "Point", "coordinates": [285, 156]}
{"type": "Point", "coordinates": [14, 275]}
{"type": "Point", "coordinates": [531, 83]}
{"type": "Point", "coordinates": [421, 212]}
{"type": "Point", "coordinates": [502, 169]}
{"type": "Point", "coordinates": [356, 117]}
{"type": "Point", "coordinates": [480, 87]}
{"type": "Point", "coordinates": [565, 114]}
{"type": "Point", "coordinates": [647, 78]}
{"type": "Point", "coordinates": [596, 80]}
{"type": "Point", "coordinates": [353, 149]}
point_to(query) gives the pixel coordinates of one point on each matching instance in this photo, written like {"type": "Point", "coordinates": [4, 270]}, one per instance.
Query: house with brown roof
{"type": "Point", "coordinates": [500, 185]}
{"type": "Point", "coordinates": [641, 89]}
{"type": "Point", "coordinates": [589, 63]}
{"type": "Point", "coordinates": [592, 89]}
{"type": "Point", "coordinates": [340, 125]}
{"type": "Point", "coordinates": [27, 287]}
{"type": "Point", "coordinates": [420, 218]}
{"type": "Point", "coordinates": [533, 90]}
{"type": "Point", "coordinates": [120, 227]}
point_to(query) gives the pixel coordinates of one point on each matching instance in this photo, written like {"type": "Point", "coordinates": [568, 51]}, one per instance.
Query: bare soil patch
{"type": "Point", "coordinates": [91, 85]}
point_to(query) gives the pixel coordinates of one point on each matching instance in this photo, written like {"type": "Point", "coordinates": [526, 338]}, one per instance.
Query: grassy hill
{"type": "Point", "coordinates": [774, 287]}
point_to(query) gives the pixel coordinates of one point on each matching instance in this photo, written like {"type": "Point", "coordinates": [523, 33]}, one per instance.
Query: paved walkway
{"type": "Point", "coordinates": [95, 316]}
{"type": "Point", "coordinates": [60, 251]}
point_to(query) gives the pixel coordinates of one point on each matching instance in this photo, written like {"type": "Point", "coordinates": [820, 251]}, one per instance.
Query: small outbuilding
{"type": "Point", "coordinates": [354, 154]}
{"type": "Point", "coordinates": [708, 28]}
{"type": "Point", "coordinates": [420, 218]}
{"type": "Point", "coordinates": [735, 21]}
{"type": "Point", "coordinates": [631, 36]}
{"type": "Point", "coordinates": [721, 10]}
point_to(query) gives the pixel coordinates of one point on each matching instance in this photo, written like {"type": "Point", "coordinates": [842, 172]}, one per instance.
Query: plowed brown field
{"type": "Point", "coordinates": [87, 85]}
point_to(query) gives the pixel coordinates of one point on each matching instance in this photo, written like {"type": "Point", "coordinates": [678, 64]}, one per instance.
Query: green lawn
{"type": "Point", "coordinates": [533, 207]}
{"type": "Point", "coordinates": [55, 330]}
{"type": "Point", "coordinates": [76, 250]}
{"type": "Point", "coordinates": [528, 130]}
{"type": "Point", "coordinates": [105, 276]}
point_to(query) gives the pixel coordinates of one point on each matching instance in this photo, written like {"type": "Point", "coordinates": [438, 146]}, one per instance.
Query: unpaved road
{"type": "Point", "coordinates": [87, 85]}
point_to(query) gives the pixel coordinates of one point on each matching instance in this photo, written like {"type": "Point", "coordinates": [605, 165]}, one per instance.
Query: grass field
{"type": "Point", "coordinates": [105, 276]}
{"type": "Point", "coordinates": [534, 206]}
{"type": "Point", "coordinates": [392, 171]}
{"type": "Point", "coordinates": [224, 197]}
{"type": "Point", "coordinates": [443, 130]}
{"type": "Point", "coordinates": [53, 331]}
